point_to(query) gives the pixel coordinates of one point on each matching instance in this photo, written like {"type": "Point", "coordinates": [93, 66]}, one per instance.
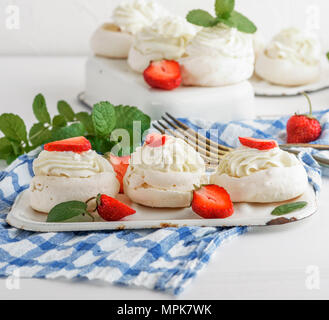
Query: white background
{"type": "Point", "coordinates": [63, 27]}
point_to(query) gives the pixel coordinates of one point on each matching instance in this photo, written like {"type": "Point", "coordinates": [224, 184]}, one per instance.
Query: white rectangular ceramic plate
{"type": "Point", "coordinates": [22, 216]}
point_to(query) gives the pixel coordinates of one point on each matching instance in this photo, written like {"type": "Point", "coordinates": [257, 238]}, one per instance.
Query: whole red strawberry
{"type": "Point", "coordinates": [303, 128]}
{"type": "Point", "coordinates": [111, 209]}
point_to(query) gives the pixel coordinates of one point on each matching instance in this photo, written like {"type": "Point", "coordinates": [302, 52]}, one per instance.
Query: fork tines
{"type": "Point", "coordinates": [209, 150]}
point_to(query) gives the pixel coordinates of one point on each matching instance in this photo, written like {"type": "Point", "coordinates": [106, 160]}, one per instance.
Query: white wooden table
{"type": "Point", "coordinates": [278, 262]}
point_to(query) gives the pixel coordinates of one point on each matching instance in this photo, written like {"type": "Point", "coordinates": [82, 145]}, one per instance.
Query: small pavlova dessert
{"type": "Point", "coordinates": [166, 39]}
{"type": "Point", "coordinates": [259, 171]}
{"type": "Point", "coordinates": [164, 172]}
{"type": "Point", "coordinates": [292, 58]}
{"type": "Point", "coordinates": [113, 40]}
{"type": "Point", "coordinates": [222, 52]}
{"type": "Point", "coordinates": [69, 169]}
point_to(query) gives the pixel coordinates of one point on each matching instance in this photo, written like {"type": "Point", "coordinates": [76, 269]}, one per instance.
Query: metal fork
{"type": "Point", "coordinates": [211, 151]}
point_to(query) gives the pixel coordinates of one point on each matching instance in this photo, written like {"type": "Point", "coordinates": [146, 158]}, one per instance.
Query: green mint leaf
{"type": "Point", "coordinates": [17, 148]}
{"type": "Point", "coordinates": [223, 8]}
{"type": "Point", "coordinates": [86, 119]}
{"type": "Point", "coordinates": [103, 117]}
{"type": "Point", "coordinates": [40, 109]}
{"type": "Point", "coordinates": [73, 130]}
{"type": "Point", "coordinates": [287, 208]}
{"type": "Point", "coordinates": [240, 22]}
{"type": "Point", "coordinates": [13, 127]}
{"type": "Point", "coordinates": [126, 116]}
{"type": "Point", "coordinates": [11, 158]}
{"type": "Point", "coordinates": [328, 55]}
{"type": "Point", "coordinates": [67, 210]}
{"type": "Point", "coordinates": [65, 110]}
{"type": "Point", "coordinates": [39, 134]}
{"type": "Point", "coordinates": [59, 121]}
{"type": "Point", "coordinates": [6, 149]}
{"type": "Point", "coordinates": [201, 18]}
{"type": "Point", "coordinates": [99, 144]}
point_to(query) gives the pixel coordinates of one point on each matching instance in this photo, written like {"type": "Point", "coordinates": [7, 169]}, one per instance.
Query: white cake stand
{"type": "Point", "coordinates": [112, 80]}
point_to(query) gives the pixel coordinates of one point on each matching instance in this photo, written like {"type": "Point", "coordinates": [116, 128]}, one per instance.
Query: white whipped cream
{"type": "Point", "coordinates": [174, 166]}
{"type": "Point", "coordinates": [222, 40]}
{"type": "Point", "coordinates": [135, 15]}
{"type": "Point", "coordinates": [218, 56]}
{"type": "Point", "coordinates": [296, 46]}
{"type": "Point", "coordinates": [166, 38]}
{"type": "Point", "coordinates": [70, 164]}
{"type": "Point", "coordinates": [175, 155]}
{"type": "Point", "coordinates": [245, 161]}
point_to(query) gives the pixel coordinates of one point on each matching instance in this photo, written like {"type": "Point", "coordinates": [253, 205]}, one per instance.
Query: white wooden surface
{"type": "Point", "coordinates": [268, 262]}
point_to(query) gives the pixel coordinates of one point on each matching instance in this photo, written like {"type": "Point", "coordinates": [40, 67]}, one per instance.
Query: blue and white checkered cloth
{"type": "Point", "coordinates": [165, 259]}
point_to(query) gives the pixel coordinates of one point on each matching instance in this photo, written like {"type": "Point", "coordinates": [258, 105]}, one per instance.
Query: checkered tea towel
{"type": "Point", "coordinates": [165, 259]}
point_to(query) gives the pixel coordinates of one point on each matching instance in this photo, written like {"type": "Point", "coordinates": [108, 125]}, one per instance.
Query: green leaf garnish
{"type": "Point", "coordinates": [39, 134]}
{"type": "Point", "coordinates": [65, 110]}
{"type": "Point", "coordinates": [201, 18]}
{"type": "Point", "coordinates": [86, 120]}
{"type": "Point", "coordinates": [240, 22]}
{"type": "Point", "coordinates": [6, 150]}
{"type": "Point", "coordinates": [40, 109]}
{"type": "Point", "coordinates": [13, 127]}
{"type": "Point", "coordinates": [223, 8]}
{"type": "Point", "coordinates": [59, 121]}
{"type": "Point", "coordinates": [97, 127]}
{"type": "Point", "coordinates": [225, 14]}
{"type": "Point", "coordinates": [67, 210]}
{"type": "Point", "coordinates": [328, 55]}
{"type": "Point", "coordinates": [126, 116]}
{"type": "Point", "coordinates": [73, 130]}
{"type": "Point", "coordinates": [103, 117]}
{"type": "Point", "coordinates": [287, 208]}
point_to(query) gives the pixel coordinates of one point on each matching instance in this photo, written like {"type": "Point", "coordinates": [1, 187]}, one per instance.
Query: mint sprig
{"type": "Point", "coordinates": [225, 13]}
{"type": "Point", "coordinates": [96, 126]}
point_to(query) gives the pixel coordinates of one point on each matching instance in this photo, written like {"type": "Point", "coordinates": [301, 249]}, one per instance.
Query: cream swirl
{"type": "Point", "coordinates": [174, 156]}
{"type": "Point", "coordinates": [245, 161]}
{"type": "Point", "coordinates": [221, 40]}
{"type": "Point", "coordinates": [166, 38]}
{"type": "Point", "coordinates": [133, 16]}
{"type": "Point", "coordinates": [70, 164]}
{"type": "Point", "coordinates": [295, 45]}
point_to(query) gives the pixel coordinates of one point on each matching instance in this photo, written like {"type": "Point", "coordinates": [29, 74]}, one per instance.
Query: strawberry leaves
{"type": "Point", "coordinates": [225, 14]}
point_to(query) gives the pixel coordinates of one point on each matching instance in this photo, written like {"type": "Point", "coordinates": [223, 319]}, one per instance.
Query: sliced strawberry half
{"type": "Point", "coordinates": [163, 74]}
{"type": "Point", "coordinates": [155, 140]}
{"type": "Point", "coordinates": [260, 144]}
{"type": "Point", "coordinates": [111, 209]}
{"type": "Point", "coordinates": [120, 166]}
{"type": "Point", "coordinates": [77, 145]}
{"type": "Point", "coordinates": [212, 202]}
